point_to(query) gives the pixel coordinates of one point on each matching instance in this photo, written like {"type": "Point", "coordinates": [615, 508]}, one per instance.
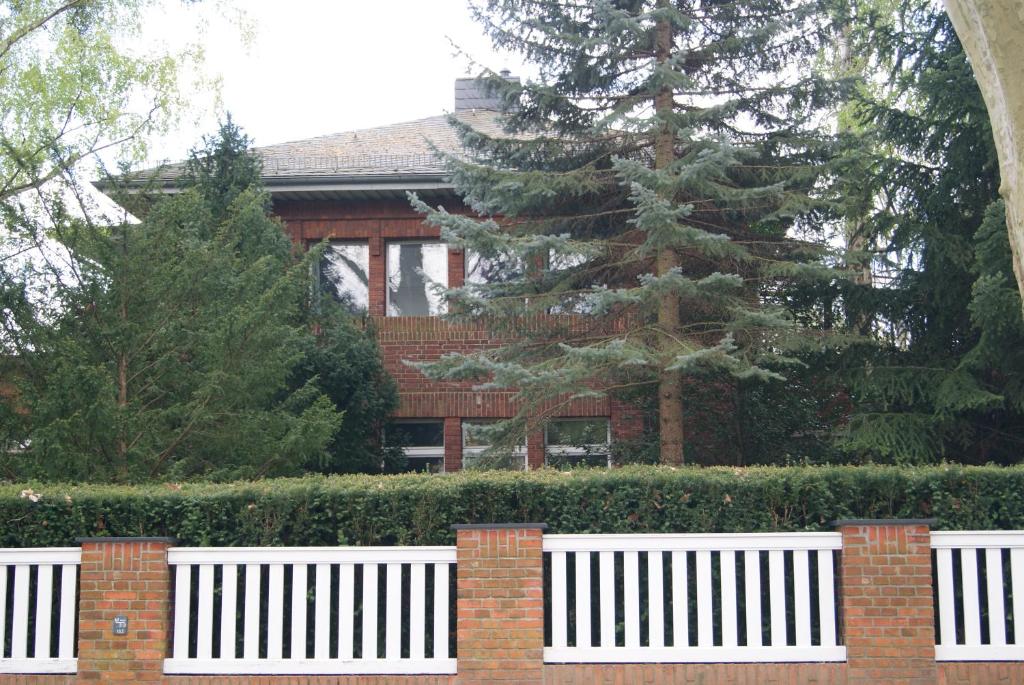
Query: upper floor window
{"type": "Point", "coordinates": [482, 270]}
{"type": "Point", "coordinates": [571, 442]}
{"type": "Point", "coordinates": [413, 269]}
{"type": "Point", "coordinates": [475, 442]}
{"type": "Point", "coordinates": [344, 273]}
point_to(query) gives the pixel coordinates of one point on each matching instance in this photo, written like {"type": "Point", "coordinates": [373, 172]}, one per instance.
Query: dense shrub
{"type": "Point", "coordinates": [418, 509]}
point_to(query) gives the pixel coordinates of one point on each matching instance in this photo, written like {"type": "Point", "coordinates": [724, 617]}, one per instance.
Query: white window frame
{"type": "Point", "coordinates": [442, 309]}
{"type": "Point", "coordinates": [519, 451]}
{"type": "Point", "coordinates": [580, 450]}
{"type": "Point", "coordinates": [423, 451]}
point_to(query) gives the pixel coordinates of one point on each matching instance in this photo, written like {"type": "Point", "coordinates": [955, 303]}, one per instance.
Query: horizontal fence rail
{"type": "Point", "coordinates": [979, 587]}
{"type": "Point", "coordinates": [692, 598]}
{"type": "Point", "coordinates": [38, 609]}
{"type": "Point", "coordinates": [313, 610]}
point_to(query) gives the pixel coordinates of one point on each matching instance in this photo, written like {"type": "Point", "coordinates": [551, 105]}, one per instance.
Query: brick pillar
{"type": "Point", "coordinates": [452, 444]}
{"type": "Point", "coordinates": [126, 577]}
{"type": "Point", "coordinates": [535, 457]}
{"type": "Point", "coordinates": [887, 612]}
{"type": "Point", "coordinates": [500, 603]}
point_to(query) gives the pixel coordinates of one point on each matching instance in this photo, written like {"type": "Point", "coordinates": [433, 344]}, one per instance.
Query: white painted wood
{"type": "Point", "coordinates": [656, 599]}
{"type": "Point", "coordinates": [705, 630]}
{"type": "Point", "coordinates": [752, 596]}
{"type": "Point", "coordinates": [728, 582]}
{"type": "Point", "coordinates": [369, 611]}
{"type": "Point", "coordinates": [559, 607]}
{"type": "Point", "coordinates": [275, 611]}
{"type": "Point", "coordinates": [692, 541]}
{"type": "Point", "coordinates": [606, 565]}
{"type": "Point", "coordinates": [228, 610]}
{"type": "Point", "coordinates": [996, 608]}
{"type": "Point", "coordinates": [802, 598]}
{"type": "Point", "coordinates": [950, 539]}
{"type": "Point", "coordinates": [441, 607]}
{"type": "Point", "coordinates": [299, 584]}
{"type": "Point", "coordinates": [311, 667]}
{"type": "Point", "coordinates": [777, 597]}
{"type": "Point", "coordinates": [979, 653]}
{"type": "Point", "coordinates": [3, 609]}
{"type": "Point", "coordinates": [346, 610]}
{"type": "Point", "coordinates": [251, 626]}
{"type": "Point", "coordinates": [44, 610]}
{"type": "Point", "coordinates": [19, 625]}
{"type": "Point", "coordinates": [38, 665]}
{"type": "Point", "coordinates": [680, 601]}
{"type": "Point", "coordinates": [204, 611]}
{"type": "Point", "coordinates": [972, 609]}
{"type": "Point", "coordinates": [306, 555]}
{"type": "Point", "coordinates": [182, 609]}
{"type": "Point", "coordinates": [1017, 580]}
{"type": "Point", "coordinates": [40, 555]}
{"type": "Point", "coordinates": [393, 612]}
{"type": "Point", "coordinates": [695, 655]}
{"type": "Point", "coordinates": [68, 604]}
{"type": "Point", "coordinates": [322, 612]}
{"type": "Point", "coordinates": [417, 610]}
{"type": "Point", "coordinates": [631, 597]}
{"type": "Point", "coordinates": [826, 598]}
{"type": "Point", "coordinates": [947, 610]}
{"type": "Point", "coordinates": [583, 598]}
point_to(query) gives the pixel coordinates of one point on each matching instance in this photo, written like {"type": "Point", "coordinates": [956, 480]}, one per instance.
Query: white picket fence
{"type": "Point", "coordinates": [980, 595]}
{"type": "Point", "coordinates": [38, 635]}
{"type": "Point", "coordinates": [329, 628]}
{"type": "Point", "coordinates": [783, 620]}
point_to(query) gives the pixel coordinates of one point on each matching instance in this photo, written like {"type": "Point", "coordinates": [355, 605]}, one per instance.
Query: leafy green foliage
{"type": "Point", "coordinates": [418, 509]}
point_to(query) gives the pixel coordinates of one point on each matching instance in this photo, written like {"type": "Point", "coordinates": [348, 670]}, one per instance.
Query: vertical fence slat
{"type": "Point", "coordinates": [228, 604]}
{"type": "Point", "coordinates": [728, 583]}
{"type": "Point", "coordinates": [631, 597]}
{"type": "Point", "coordinates": [441, 611]}
{"type": "Point", "coordinates": [802, 597]}
{"type": "Point", "coordinates": [417, 605]}
{"type": "Point", "coordinates": [322, 611]}
{"type": "Point", "coordinates": [19, 624]}
{"type": "Point", "coordinates": [204, 619]}
{"type": "Point", "coordinates": [583, 598]}
{"type": "Point", "coordinates": [182, 606]}
{"type": "Point", "coordinates": [705, 630]}
{"type": "Point", "coordinates": [251, 635]}
{"type": "Point", "coordinates": [346, 609]}
{"type": "Point", "coordinates": [3, 609]}
{"type": "Point", "coordinates": [68, 604]}
{"type": "Point", "coordinates": [777, 597]}
{"type": "Point", "coordinates": [559, 610]}
{"type": "Point", "coordinates": [680, 601]}
{"type": "Point", "coordinates": [393, 612]}
{"type": "Point", "coordinates": [996, 609]}
{"type": "Point", "coordinates": [298, 611]}
{"type": "Point", "coordinates": [752, 595]}
{"type": "Point", "coordinates": [44, 607]}
{"type": "Point", "coordinates": [275, 610]}
{"type": "Point", "coordinates": [947, 611]}
{"type": "Point", "coordinates": [655, 599]}
{"type": "Point", "coordinates": [826, 598]}
{"type": "Point", "coordinates": [972, 609]}
{"type": "Point", "coordinates": [369, 611]}
{"type": "Point", "coordinates": [1017, 578]}
{"type": "Point", "coordinates": [606, 561]}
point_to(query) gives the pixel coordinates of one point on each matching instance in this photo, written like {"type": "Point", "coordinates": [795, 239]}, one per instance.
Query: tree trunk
{"type": "Point", "coordinates": [992, 33]}
{"type": "Point", "coordinates": [670, 386]}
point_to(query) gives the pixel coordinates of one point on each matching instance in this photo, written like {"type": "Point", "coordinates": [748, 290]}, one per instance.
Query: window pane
{"type": "Point", "coordinates": [344, 274]}
{"type": "Point", "coordinates": [572, 303]}
{"type": "Point", "coordinates": [415, 434]}
{"type": "Point", "coordinates": [471, 434]}
{"type": "Point", "coordinates": [408, 291]}
{"type": "Point", "coordinates": [481, 270]}
{"type": "Point", "coordinates": [578, 432]}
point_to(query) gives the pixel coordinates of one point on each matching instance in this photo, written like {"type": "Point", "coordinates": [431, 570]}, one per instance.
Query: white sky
{"type": "Point", "coordinates": [314, 67]}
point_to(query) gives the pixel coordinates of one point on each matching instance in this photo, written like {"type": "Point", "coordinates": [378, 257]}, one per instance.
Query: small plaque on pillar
{"type": "Point", "coordinates": [120, 625]}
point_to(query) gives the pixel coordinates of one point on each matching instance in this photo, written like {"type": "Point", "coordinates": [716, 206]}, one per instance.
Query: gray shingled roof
{"type": "Point", "coordinates": [399, 150]}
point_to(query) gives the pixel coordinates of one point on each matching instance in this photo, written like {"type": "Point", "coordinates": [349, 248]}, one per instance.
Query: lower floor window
{"type": "Point", "coordinates": [577, 442]}
{"type": "Point", "coordinates": [422, 442]}
{"type": "Point", "coordinates": [476, 442]}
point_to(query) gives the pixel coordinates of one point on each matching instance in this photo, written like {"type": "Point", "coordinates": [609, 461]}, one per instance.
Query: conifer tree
{"type": "Point", "coordinates": [640, 213]}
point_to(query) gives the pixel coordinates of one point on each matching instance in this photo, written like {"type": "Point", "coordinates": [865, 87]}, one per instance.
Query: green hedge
{"type": "Point", "coordinates": [418, 509]}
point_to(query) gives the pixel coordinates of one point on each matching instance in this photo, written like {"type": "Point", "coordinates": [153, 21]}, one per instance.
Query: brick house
{"type": "Point", "coordinates": [350, 189]}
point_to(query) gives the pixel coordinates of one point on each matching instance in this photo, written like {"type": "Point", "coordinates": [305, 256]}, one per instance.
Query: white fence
{"type": "Point", "coordinates": [330, 610]}
{"type": "Point", "coordinates": [692, 598]}
{"type": "Point", "coordinates": [37, 626]}
{"type": "Point", "coordinates": [980, 595]}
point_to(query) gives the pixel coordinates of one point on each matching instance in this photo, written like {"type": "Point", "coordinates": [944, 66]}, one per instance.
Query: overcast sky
{"type": "Point", "coordinates": [315, 67]}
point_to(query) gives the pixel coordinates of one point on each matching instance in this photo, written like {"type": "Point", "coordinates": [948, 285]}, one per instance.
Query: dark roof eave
{"type": "Point", "coordinates": [337, 183]}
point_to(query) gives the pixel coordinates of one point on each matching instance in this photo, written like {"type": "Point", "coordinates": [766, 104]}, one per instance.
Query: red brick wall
{"type": "Point", "coordinates": [695, 674]}
{"type": "Point", "coordinates": [886, 590]}
{"type": "Point", "coordinates": [980, 673]}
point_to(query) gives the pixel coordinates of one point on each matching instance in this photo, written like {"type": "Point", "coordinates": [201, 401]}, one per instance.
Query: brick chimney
{"type": "Point", "coordinates": [472, 93]}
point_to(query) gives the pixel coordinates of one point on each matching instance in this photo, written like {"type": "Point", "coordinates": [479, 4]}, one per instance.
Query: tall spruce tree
{"type": "Point", "coordinates": [640, 211]}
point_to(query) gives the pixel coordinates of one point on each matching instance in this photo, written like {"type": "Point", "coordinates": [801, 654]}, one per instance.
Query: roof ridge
{"type": "Point", "coordinates": [327, 136]}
